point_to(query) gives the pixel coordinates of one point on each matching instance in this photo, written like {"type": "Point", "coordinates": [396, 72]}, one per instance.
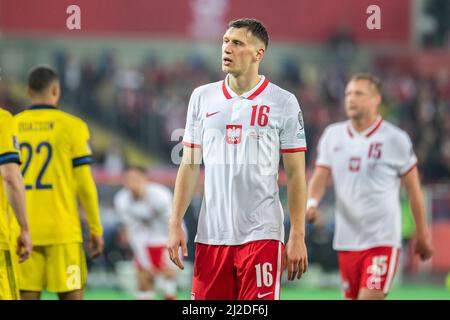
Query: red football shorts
{"type": "Point", "coordinates": [251, 271]}
{"type": "Point", "coordinates": [372, 269]}
{"type": "Point", "coordinates": [157, 259]}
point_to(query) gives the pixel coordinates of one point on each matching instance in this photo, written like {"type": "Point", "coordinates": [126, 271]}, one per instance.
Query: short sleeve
{"type": "Point", "coordinates": [120, 206]}
{"type": "Point", "coordinates": [81, 151]}
{"type": "Point", "coordinates": [192, 133]}
{"type": "Point", "coordinates": [292, 133]}
{"type": "Point", "coordinates": [163, 201]}
{"type": "Point", "coordinates": [118, 202]}
{"type": "Point", "coordinates": [406, 158]}
{"type": "Point", "coordinates": [323, 153]}
{"type": "Point", "coordinates": [9, 144]}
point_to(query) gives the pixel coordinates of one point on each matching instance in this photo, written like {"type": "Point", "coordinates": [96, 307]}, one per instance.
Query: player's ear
{"type": "Point", "coordinates": [55, 89]}
{"type": "Point", "coordinates": [260, 54]}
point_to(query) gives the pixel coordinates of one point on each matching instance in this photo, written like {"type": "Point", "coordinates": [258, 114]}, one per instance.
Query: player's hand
{"type": "Point", "coordinates": [312, 214]}
{"type": "Point", "coordinates": [423, 248]}
{"type": "Point", "coordinates": [177, 239]}
{"type": "Point", "coordinates": [96, 245]}
{"type": "Point", "coordinates": [24, 245]}
{"type": "Point", "coordinates": [296, 257]}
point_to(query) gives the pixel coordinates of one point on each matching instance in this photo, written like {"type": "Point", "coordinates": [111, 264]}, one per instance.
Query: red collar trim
{"type": "Point", "coordinates": [256, 93]}
{"type": "Point", "coordinates": [349, 132]}
{"type": "Point", "coordinates": [375, 128]}
{"type": "Point", "coordinates": [224, 89]}
{"type": "Point", "coordinates": [259, 90]}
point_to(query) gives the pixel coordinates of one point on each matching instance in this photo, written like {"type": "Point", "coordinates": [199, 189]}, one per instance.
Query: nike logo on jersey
{"type": "Point", "coordinates": [259, 295]}
{"type": "Point", "coordinates": [211, 114]}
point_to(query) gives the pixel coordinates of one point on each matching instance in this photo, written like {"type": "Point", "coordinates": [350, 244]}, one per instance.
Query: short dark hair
{"type": "Point", "coordinates": [254, 26]}
{"type": "Point", "coordinates": [368, 77]}
{"type": "Point", "coordinates": [41, 78]}
{"type": "Point", "coordinates": [137, 168]}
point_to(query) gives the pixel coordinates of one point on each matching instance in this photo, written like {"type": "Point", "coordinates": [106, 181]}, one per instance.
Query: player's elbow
{"type": "Point", "coordinates": [84, 178]}
{"type": "Point", "coordinates": [294, 172]}
{"type": "Point", "coordinates": [320, 177]}
{"type": "Point", "coordinates": [295, 179]}
{"type": "Point", "coordinates": [87, 190]}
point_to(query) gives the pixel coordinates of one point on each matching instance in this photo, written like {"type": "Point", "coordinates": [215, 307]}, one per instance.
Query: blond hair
{"type": "Point", "coordinates": [376, 83]}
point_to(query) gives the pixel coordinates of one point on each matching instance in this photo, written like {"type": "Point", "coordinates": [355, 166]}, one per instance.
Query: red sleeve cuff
{"type": "Point", "coordinates": [191, 145]}
{"type": "Point", "coordinates": [302, 149]}
{"type": "Point", "coordinates": [409, 170]}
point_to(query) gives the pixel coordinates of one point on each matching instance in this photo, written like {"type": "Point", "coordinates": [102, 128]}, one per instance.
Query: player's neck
{"type": "Point", "coordinates": [243, 83]}
{"type": "Point", "coordinates": [139, 195]}
{"type": "Point", "coordinates": [46, 102]}
{"type": "Point", "coordinates": [360, 125]}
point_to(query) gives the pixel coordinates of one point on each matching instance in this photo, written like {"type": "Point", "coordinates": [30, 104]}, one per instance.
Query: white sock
{"type": "Point", "coordinates": [145, 295]}
{"type": "Point", "coordinates": [169, 288]}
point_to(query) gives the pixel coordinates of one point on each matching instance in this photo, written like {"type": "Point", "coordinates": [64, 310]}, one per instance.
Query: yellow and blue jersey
{"type": "Point", "coordinates": [52, 144]}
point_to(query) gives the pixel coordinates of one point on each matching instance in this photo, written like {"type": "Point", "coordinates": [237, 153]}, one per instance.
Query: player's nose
{"type": "Point", "coordinates": [349, 100]}
{"type": "Point", "coordinates": [227, 48]}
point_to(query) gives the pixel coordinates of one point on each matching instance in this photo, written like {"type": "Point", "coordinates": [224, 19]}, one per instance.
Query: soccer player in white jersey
{"type": "Point", "coordinates": [368, 158]}
{"type": "Point", "coordinates": [239, 127]}
{"type": "Point", "coordinates": [144, 209]}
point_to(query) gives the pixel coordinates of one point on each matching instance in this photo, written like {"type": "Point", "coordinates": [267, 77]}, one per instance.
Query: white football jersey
{"type": "Point", "coordinates": [146, 219]}
{"type": "Point", "coordinates": [241, 138]}
{"type": "Point", "coordinates": [366, 169]}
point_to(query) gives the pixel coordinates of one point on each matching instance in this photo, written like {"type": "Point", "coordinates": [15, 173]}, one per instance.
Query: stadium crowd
{"type": "Point", "coordinates": [148, 103]}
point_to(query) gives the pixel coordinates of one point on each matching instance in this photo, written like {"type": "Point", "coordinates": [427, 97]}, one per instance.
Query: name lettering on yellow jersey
{"type": "Point", "coordinates": [36, 126]}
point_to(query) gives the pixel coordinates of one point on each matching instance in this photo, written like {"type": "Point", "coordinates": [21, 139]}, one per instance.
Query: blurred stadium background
{"type": "Point", "coordinates": [130, 69]}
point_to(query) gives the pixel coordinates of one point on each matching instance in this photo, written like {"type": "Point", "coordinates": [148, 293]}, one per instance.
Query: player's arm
{"type": "Point", "coordinates": [296, 253]}
{"type": "Point", "coordinates": [13, 183]}
{"type": "Point", "coordinates": [316, 189]}
{"type": "Point", "coordinates": [87, 193]}
{"type": "Point", "coordinates": [86, 190]}
{"type": "Point", "coordinates": [411, 182]}
{"type": "Point", "coordinates": [185, 185]}
{"type": "Point", "coordinates": [15, 193]}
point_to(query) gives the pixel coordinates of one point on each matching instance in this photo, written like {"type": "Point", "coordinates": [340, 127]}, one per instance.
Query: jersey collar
{"type": "Point", "coordinates": [41, 107]}
{"type": "Point", "coordinates": [250, 95]}
{"type": "Point", "coordinates": [366, 133]}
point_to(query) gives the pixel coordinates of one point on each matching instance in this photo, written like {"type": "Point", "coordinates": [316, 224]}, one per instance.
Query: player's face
{"type": "Point", "coordinates": [361, 99]}
{"type": "Point", "coordinates": [135, 181]}
{"type": "Point", "coordinates": [240, 49]}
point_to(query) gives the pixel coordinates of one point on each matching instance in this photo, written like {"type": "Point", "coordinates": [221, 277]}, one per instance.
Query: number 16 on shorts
{"type": "Point", "coordinates": [263, 275]}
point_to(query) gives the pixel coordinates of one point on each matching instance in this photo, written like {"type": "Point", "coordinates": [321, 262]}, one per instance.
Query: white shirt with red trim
{"type": "Point", "coordinates": [146, 219]}
{"type": "Point", "coordinates": [366, 169]}
{"type": "Point", "coordinates": [241, 138]}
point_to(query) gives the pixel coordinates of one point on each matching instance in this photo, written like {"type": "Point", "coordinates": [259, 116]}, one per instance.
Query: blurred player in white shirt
{"type": "Point", "coordinates": [241, 127]}
{"type": "Point", "coordinates": [368, 159]}
{"type": "Point", "coordinates": [145, 208]}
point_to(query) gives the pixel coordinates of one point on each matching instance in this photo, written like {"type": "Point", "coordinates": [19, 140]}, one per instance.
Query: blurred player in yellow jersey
{"type": "Point", "coordinates": [12, 195]}
{"type": "Point", "coordinates": [55, 165]}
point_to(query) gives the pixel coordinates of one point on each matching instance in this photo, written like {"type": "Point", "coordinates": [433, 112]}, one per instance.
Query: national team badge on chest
{"type": "Point", "coordinates": [354, 164]}
{"type": "Point", "coordinates": [234, 133]}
